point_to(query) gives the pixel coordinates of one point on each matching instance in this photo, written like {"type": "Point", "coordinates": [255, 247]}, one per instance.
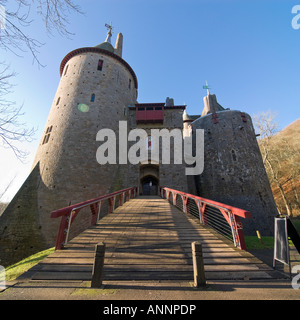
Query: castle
{"type": "Point", "coordinates": [97, 90]}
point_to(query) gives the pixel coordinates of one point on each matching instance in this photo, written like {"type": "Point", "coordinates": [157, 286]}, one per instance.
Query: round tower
{"type": "Point", "coordinates": [95, 89]}
{"type": "Point", "coordinates": [234, 172]}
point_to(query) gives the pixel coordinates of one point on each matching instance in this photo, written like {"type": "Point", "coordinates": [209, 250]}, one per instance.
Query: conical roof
{"type": "Point", "coordinates": [105, 46]}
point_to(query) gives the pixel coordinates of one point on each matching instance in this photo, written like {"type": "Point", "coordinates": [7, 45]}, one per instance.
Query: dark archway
{"type": "Point", "coordinates": [149, 186]}
{"type": "Point", "coordinates": [149, 179]}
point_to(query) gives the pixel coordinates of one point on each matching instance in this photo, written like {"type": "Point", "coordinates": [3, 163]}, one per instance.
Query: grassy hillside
{"type": "Point", "coordinates": [285, 147]}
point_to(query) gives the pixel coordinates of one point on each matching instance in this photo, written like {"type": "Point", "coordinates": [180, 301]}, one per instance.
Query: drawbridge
{"type": "Point", "coordinates": [149, 238]}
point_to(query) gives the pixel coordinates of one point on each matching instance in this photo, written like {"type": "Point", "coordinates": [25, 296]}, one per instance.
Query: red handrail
{"type": "Point", "coordinates": [231, 214]}
{"type": "Point", "coordinates": [68, 214]}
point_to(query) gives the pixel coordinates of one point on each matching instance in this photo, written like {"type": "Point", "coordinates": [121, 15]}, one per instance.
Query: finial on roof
{"type": "Point", "coordinates": [109, 32]}
{"type": "Point", "coordinates": [207, 88]}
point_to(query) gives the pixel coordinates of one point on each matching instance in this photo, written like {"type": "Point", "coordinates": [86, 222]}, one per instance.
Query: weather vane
{"type": "Point", "coordinates": [206, 87]}
{"type": "Point", "coordinates": [109, 32]}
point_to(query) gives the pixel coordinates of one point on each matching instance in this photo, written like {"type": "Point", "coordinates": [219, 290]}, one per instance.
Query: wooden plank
{"type": "Point", "coordinates": [86, 276]}
{"type": "Point", "coordinates": [153, 261]}
{"type": "Point", "coordinates": [150, 267]}
{"type": "Point", "coordinates": [133, 255]}
{"type": "Point", "coordinates": [149, 261]}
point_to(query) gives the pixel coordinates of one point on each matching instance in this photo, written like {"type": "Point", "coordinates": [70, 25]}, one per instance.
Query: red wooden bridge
{"type": "Point", "coordinates": [149, 238]}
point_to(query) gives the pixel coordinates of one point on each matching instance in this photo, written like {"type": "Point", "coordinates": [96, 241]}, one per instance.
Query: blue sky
{"type": "Point", "coordinates": [246, 50]}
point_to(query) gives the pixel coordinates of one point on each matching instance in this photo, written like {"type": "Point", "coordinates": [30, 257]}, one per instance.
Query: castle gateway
{"type": "Point", "coordinates": [98, 90]}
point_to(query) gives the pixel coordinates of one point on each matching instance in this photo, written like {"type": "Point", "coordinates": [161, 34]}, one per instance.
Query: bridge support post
{"type": "Point", "coordinates": [97, 274]}
{"type": "Point", "coordinates": [198, 265]}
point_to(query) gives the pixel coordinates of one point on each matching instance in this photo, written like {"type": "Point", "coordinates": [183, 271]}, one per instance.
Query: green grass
{"type": "Point", "coordinates": [252, 242]}
{"type": "Point", "coordinates": [14, 271]}
{"type": "Point", "coordinates": [86, 290]}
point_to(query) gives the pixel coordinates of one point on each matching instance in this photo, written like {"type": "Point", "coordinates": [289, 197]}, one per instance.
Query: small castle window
{"type": "Point", "coordinates": [233, 155]}
{"type": "Point", "coordinates": [47, 135]}
{"type": "Point", "coordinates": [100, 65]}
{"type": "Point", "coordinates": [66, 70]}
{"type": "Point", "coordinates": [57, 102]}
{"type": "Point", "coordinates": [93, 97]}
{"type": "Point", "coordinates": [129, 85]}
{"type": "Point", "coordinates": [149, 143]}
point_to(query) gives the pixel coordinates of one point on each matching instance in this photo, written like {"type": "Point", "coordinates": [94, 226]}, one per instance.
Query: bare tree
{"type": "Point", "coordinates": [15, 16]}
{"type": "Point", "coordinates": [12, 130]}
{"type": "Point", "coordinates": [18, 15]}
{"type": "Point", "coordinates": [3, 192]}
{"type": "Point", "coordinates": [274, 155]}
{"type": "Point", "coordinates": [290, 166]}
{"type": "Point", "coordinates": [3, 203]}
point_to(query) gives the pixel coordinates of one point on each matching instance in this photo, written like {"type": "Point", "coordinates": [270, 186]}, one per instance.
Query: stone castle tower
{"type": "Point", "coordinates": [234, 171]}
{"type": "Point", "coordinates": [97, 90]}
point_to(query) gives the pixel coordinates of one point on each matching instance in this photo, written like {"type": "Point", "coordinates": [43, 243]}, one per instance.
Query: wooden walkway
{"type": "Point", "coordinates": [149, 239]}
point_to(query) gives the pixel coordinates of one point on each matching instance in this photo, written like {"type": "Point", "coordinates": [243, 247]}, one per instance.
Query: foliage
{"type": "Point", "coordinates": [15, 16]}
{"type": "Point", "coordinates": [281, 157]}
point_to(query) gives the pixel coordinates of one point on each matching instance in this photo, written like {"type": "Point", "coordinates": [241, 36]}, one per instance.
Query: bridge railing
{"type": "Point", "coordinates": [96, 208]}
{"type": "Point", "coordinates": [223, 218]}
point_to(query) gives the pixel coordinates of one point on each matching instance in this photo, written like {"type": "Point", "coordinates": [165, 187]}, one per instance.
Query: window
{"type": "Point", "coordinates": [57, 102]}
{"type": "Point", "coordinates": [47, 135]}
{"type": "Point", "coordinates": [129, 85]}
{"type": "Point", "coordinates": [149, 143]}
{"type": "Point", "coordinates": [93, 97]}
{"type": "Point", "coordinates": [100, 65]}
{"type": "Point", "coordinates": [66, 70]}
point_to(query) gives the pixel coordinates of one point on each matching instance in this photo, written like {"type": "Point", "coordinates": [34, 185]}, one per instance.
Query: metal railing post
{"type": "Point", "coordinates": [68, 229]}
{"type": "Point", "coordinates": [199, 206]}
{"type": "Point", "coordinates": [184, 203]}
{"type": "Point", "coordinates": [99, 211]}
{"type": "Point", "coordinates": [233, 228]}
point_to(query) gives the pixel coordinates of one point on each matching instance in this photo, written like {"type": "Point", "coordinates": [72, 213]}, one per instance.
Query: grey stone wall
{"type": "Point", "coordinates": [20, 228]}
{"type": "Point", "coordinates": [234, 173]}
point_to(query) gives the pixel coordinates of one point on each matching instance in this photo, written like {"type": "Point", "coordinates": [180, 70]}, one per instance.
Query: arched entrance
{"type": "Point", "coordinates": [149, 179]}
{"type": "Point", "coordinates": [149, 186]}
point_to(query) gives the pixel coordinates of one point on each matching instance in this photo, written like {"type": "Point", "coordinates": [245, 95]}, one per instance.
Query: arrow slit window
{"type": "Point", "coordinates": [100, 65]}
{"type": "Point", "coordinates": [47, 135]}
{"type": "Point", "coordinates": [66, 70]}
